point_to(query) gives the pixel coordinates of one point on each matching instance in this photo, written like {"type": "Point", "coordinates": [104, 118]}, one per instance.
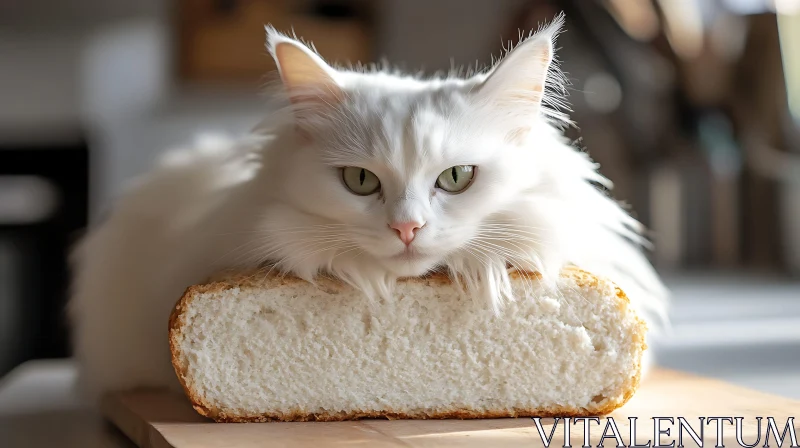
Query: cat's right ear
{"type": "Point", "coordinates": [306, 77]}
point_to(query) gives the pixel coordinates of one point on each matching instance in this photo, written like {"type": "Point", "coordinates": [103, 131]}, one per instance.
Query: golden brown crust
{"type": "Point", "coordinates": [175, 332]}
{"type": "Point", "coordinates": [460, 414]}
{"type": "Point", "coordinates": [254, 280]}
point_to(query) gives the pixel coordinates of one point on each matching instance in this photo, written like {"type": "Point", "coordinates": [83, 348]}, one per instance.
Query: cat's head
{"type": "Point", "coordinates": [411, 174]}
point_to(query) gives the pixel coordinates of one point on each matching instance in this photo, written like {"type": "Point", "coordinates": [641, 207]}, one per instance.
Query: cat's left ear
{"type": "Point", "coordinates": [519, 79]}
{"type": "Point", "coordinates": [305, 75]}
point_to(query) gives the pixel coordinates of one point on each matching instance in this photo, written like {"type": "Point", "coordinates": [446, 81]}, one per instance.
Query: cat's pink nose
{"type": "Point", "coordinates": [406, 231]}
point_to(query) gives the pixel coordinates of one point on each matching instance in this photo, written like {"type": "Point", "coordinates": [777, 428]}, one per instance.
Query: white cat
{"type": "Point", "coordinates": [369, 176]}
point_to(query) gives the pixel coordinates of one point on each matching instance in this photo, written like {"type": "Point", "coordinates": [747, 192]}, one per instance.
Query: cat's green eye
{"type": "Point", "coordinates": [456, 178]}
{"type": "Point", "coordinates": [360, 181]}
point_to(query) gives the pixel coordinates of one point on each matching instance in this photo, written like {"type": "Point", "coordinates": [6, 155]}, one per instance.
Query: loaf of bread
{"type": "Point", "coordinates": [254, 348]}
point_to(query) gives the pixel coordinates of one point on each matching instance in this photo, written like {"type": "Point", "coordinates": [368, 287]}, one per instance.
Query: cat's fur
{"type": "Point", "coordinates": [277, 197]}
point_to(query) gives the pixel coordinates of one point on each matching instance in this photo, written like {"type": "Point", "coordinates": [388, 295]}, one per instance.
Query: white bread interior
{"type": "Point", "coordinates": [260, 348]}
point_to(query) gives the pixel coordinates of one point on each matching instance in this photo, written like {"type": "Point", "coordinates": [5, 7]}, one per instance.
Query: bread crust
{"type": "Point", "coordinates": [253, 280]}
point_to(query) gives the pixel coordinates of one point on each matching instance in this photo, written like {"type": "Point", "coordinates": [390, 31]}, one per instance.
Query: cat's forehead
{"type": "Point", "coordinates": [400, 130]}
{"type": "Point", "coordinates": [407, 100]}
{"type": "Point", "coordinates": [387, 82]}
{"type": "Point", "coordinates": [398, 125]}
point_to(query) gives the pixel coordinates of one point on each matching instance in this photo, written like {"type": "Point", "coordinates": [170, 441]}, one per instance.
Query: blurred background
{"type": "Point", "coordinates": [692, 107]}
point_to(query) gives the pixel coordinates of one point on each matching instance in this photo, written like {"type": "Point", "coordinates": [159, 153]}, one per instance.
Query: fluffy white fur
{"type": "Point", "coordinates": [277, 197]}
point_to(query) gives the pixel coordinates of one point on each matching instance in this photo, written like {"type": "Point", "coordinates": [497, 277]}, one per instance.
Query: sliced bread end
{"type": "Point", "coordinates": [255, 347]}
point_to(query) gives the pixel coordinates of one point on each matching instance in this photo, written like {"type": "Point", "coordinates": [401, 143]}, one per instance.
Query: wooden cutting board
{"type": "Point", "coordinates": [161, 420]}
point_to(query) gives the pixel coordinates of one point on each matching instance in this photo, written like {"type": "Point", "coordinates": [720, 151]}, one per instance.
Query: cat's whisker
{"type": "Point", "coordinates": [250, 244]}
{"type": "Point", "coordinates": [306, 256]}
{"type": "Point", "coordinates": [513, 259]}
{"type": "Point", "coordinates": [508, 256]}
{"type": "Point", "coordinates": [510, 229]}
{"type": "Point", "coordinates": [296, 229]}
{"type": "Point", "coordinates": [522, 243]}
{"type": "Point", "coordinates": [337, 254]}
{"type": "Point", "coordinates": [280, 264]}
{"type": "Point", "coordinates": [265, 252]}
{"type": "Point", "coordinates": [503, 249]}
{"type": "Point", "coordinates": [269, 244]}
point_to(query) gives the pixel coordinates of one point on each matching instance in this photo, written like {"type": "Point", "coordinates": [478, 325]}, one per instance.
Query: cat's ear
{"type": "Point", "coordinates": [305, 75]}
{"type": "Point", "coordinates": [519, 79]}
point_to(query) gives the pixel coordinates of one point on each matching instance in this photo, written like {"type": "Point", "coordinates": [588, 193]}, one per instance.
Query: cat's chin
{"type": "Point", "coordinates": [410, 266]}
